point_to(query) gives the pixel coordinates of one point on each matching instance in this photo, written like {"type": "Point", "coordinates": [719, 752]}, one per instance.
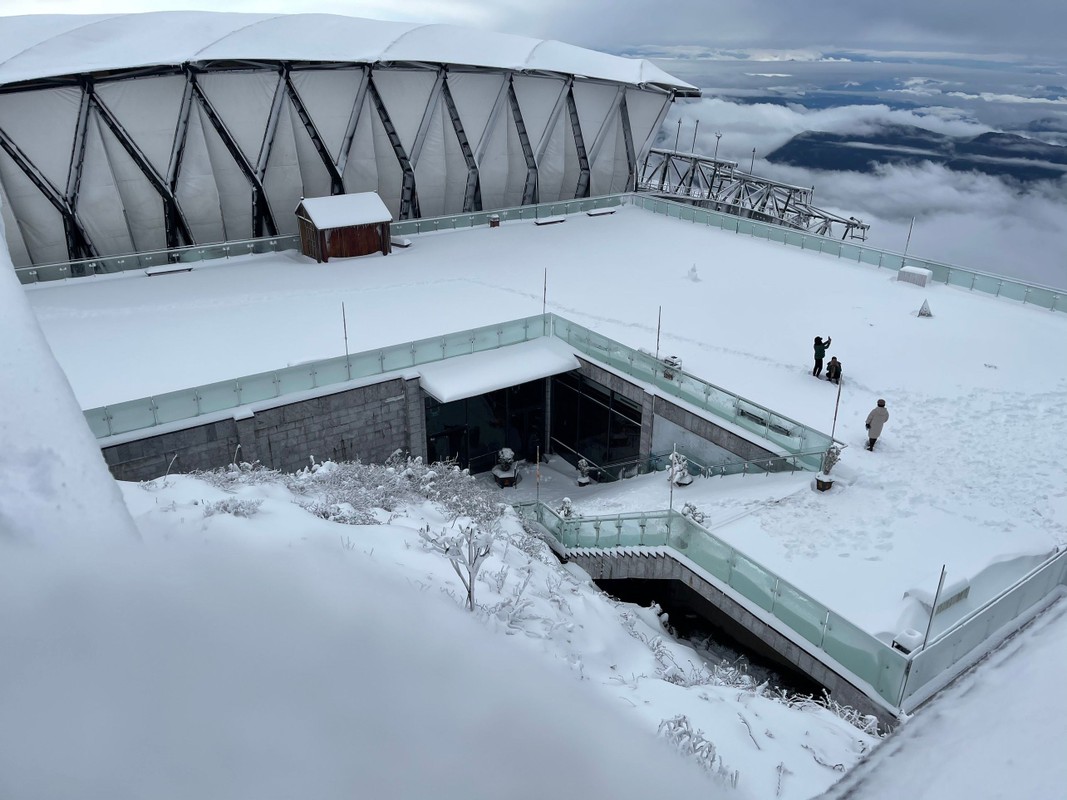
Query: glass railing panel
{"type": "Point", "coordinates": [796, 239]}
{"type": "Point", "coordinates": [743, 226]}
{"type": "Point", "coordinates": [655, 531]}
{"type": "Point", "coordinates": [131, 416]}
{"type": "Point", "coordinates": [455, 344]}
{"type": "Point", "coordinates": [1013, 290]}
{"type": "Point", "coordinates": [856, 650]}
{"type": "Point", "coordinates": [960, 277]}
{"type": "Point", "coordinates": [800, 613]}
{"type": "Point", "coordinates": [366, 364]}
{"type": "Point", "coordinates": [521, 330]}
{"type": "Point", "coordinates": [298, 378]}
{"type": "Point", "coordinates": [331, 371]}
{"type": "Point", "coordinates": [217, 396]}
{"type": "Point", "coordinates": [425, 351]}
{"type": "Point", "coordinates": [585, 533]}
{"type": "Point", "coordinates": [984, 283]}
{"type": "Point", "coordinates": [686, 387]}
{"type": "Point", "coordinates": [486, 338]}
{"type": "Point", "coordinates": [396, 357]}
{"type": "Point", "coordinates": [255, 388]}
{"type": "Point", "coordinates": [711, 554]}
{"type": "Point", "coordinates": [850, 252]}
{"type": "Point", "coordinates": [175, 406]}
{"type": "Point", "coordinates": [1045, 298]}
{"type": "Point", "coordinates": [871, 257]}
{"type": "Point", "coordinates": [97, 419]}
{"type": "Point", "coordinates": [753, 581]}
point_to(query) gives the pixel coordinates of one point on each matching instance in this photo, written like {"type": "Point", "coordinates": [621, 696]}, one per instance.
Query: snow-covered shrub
{"type": "Point", "coordinates": [467, 550]}
{"type": "Point", "coordinates": [678, 470]}
{"type": "Point", "coordinates": [233, 475]}
{"type": "Point", "coordinates": [691, 743]}
{"type": "Point", "coordinates": [830, 457]}
{"type": "Point", "coordinates": [694, 513]}
{"type": "Point", "coordinates": [343, 513]}
{"type": "Point", "coordinates": [234, 506]}
{"type": "Point", "coordinates": [566, 510]}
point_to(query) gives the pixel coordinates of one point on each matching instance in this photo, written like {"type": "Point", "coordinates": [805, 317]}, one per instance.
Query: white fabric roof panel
{"type": "Point", "coordinates": [342, 210]}
{"type": "Point", "coordinates": [469, 376]}
{"type": "Point", "coordinates": [41, 46]}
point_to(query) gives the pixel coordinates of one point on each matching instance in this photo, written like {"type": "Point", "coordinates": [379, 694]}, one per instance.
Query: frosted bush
{"type": "Point", "coordinates": [234, 506]}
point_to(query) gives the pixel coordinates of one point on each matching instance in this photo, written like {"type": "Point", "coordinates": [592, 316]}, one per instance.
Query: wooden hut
{"type": "Point", "coordinates": [343, 225]}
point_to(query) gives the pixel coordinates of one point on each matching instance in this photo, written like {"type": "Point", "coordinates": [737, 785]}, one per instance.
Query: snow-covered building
{"type": "Point", "coordinates": [138, 132]}
{"type": "Point", "coordinates": [343, 225]}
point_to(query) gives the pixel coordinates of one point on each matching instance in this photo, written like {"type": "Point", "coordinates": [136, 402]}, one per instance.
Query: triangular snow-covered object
{"type": "Point", "coordinates": [925, 310]}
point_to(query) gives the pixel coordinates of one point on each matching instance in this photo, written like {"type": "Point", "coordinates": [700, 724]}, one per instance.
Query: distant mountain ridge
{"type": "Point", "coordinates": [999, 154]}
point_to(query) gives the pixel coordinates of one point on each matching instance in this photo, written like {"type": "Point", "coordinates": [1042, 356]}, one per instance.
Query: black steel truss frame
{"type": "Point", "coordinates": [254, 167]}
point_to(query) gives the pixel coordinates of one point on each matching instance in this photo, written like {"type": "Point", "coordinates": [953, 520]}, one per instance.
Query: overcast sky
{"type": "Point", "coordinates": [1034, 28]}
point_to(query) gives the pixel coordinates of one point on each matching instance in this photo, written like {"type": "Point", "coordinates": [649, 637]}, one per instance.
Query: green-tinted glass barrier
{"type": "Point", "coordinates": [867, 657]}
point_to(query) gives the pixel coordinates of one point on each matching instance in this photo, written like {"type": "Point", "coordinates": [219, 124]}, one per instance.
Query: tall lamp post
{"type": "Point", "coordinates": [718, 135]}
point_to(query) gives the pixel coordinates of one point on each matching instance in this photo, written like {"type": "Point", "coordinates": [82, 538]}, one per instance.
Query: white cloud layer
{"type": "Point", "coordinates": [974, 220]}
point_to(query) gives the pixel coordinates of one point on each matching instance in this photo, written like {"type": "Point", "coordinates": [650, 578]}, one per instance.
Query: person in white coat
{"type": "Point", "coordinates": [875, 420]}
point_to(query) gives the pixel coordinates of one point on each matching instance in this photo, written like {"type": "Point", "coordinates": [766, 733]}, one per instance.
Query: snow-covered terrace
{"type": "Point", "coordinates": [968, 474]}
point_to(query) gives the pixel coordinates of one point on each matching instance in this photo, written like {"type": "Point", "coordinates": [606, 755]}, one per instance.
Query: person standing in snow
{"type": "Point", "coordinates": [833, 370]}
{"type": "Point", "coordinates": [875, 420]}
{"type": "Point", "coordinates": [820, 354]}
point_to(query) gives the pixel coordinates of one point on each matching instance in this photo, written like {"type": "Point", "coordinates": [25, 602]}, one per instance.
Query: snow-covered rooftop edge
{"type": "Point", "coordinates": [42, 46]}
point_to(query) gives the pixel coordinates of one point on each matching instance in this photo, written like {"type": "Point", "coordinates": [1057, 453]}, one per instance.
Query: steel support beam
{"type": "Point", "coordinates": [79, 245]}
{"type": "Point", "coordinates": [175, 224]}
{"type": "Point", "coordinates": [582, 188]}
{"type": "Point", "coordinates": [628, 140]}
{"type": "Point", "coordinates": [353, 123]}
{"type": "Point", "coordinates": [472, 195]}
{"type": "Point", "coordinates": [337, 184]}
{"type": "Point", "coordinates": [262, 219]}
{"type": "Point", "coordinates": [529, 190]}
{"type": "Point", "coordinates": [409, 198]}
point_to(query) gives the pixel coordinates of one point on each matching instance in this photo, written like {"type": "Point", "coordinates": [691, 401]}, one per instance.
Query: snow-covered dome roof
{"type": "Point", "coordinates": [44, 46]}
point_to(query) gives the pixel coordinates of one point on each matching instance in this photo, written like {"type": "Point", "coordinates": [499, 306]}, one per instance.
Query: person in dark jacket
{"type": "Point", "coordinates": [820, 354]}
{"type": "Point", "coordinates": [833, 370]}
{"type": "Point", "coordinates": [875, 420]}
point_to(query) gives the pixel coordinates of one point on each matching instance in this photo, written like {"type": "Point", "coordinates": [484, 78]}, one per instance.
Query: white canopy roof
{"type": "Point", "coordinates": [40, 46]}
{"type": "Point", "coordinates": [469, 376]}
{"type": "Point", "coordinates": [341, 210]}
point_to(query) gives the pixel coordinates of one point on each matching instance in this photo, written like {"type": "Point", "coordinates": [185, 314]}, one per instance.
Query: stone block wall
{"type": "Point", "coordinates": [368, 423]}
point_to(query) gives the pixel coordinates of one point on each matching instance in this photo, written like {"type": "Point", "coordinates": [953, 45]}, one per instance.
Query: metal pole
{"type": "Point", "coordinates": [718, 135]}
{"type": "Point", "coordinates": [659, 321]}
{"type": "Point", "coordinates": [537, 474]}
{"type": "Point", "coordinates": [908, 242]}
{"type": "Point", "coordinates": [933, 608]}
{"type": "Point", "coordinates": [677, 134]}
{"type": "Point", "coordinates": [836, 406]}
{"type": "Point", "coordinates": [696, 127]}
{"type": "Point", "coordinates": [344, 322]}
{"type": "Point", "coordinates": [752, 163]}
{"type": "Point", "coordinates": [544, 293]}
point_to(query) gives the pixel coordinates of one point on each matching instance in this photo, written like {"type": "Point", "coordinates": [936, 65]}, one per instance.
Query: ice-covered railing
{"type": "Point", "coordinates": [175, 257]}
{"type": "Point", "coordinates": [172, 258]}
{"type": "Point", "coordinates": [790, 435]}
{"type": "Point", "coordinates": [187, 404]}
{"type": "Point", "coordinates": [997, 285]}
{"type": "Point", "coordinates": [902, 680]}
{"type": "Point", "coordinates": [974, 280]}
{"type": "Point", "coordinates": [868, 658]}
